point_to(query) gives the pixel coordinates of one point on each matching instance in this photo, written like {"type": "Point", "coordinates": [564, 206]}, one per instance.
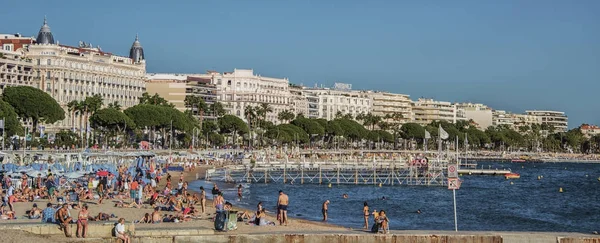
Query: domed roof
{"type": "Point", "coordinates": [136, 52]}
{"type": "Point", "coordinates": [45, 35]}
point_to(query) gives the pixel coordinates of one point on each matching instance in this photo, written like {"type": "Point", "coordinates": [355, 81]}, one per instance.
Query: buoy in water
{"type": "Point", "coordinates": [522, 167]}
{"type": "Point", "coordinates": [560, 190]}
{"type": "Point", "coordinates": [470, 173]}
{"type": "Point", "coordinates": [379, 184]}
{"type": "Point", "coordinates": [539, 177]}
{"type": "Point", "coordinates": [329, 185]}
{"type": "Point", "coordinates": [511, 183]}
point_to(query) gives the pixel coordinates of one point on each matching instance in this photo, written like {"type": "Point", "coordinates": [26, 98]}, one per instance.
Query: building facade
{"type": "Point", "coordinates": [388, 104]}
{"type": "Point", "coordinates": [426, 111]}
{"type": "Point", "coordinates": [171, 87]}
{"type": "Point", "coordinates": [556, 119]}
{"type": "Point", "coordinates": [326, 103]}
{"type": "Point", "coordinates": [589, 130]}
{"type": "Point", "coordinates": [298, 101]}
{"type": "Point", "coordinates": [479, 113]}
{"type": "Point", "coordinates": [242, 88]}
{"type": "Point", "coordinates": [15, 68]}
{"type": "Point", "coordinates": [501, 117]}
{"type": "Point", "coordinates": [70, 73]}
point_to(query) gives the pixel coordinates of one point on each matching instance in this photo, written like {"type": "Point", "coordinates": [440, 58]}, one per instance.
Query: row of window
{"type": "Point", "coordinates": [83, 66]}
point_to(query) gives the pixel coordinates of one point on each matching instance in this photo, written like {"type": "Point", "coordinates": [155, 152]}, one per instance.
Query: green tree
{"type": "Point", "coordinates": [108, 119]}
{"type": "Point", "coordinates": [12, 125]}
{"type": "Point", "coordinates": [285, 116]}
{"type": "Point", "coordinates": [217, 109]}
{"type": "Point", "coordinates": [233, 125]}
{"type": "Point", "coordinates": [115, 105]}
{"type": "Point", "coordinates": [412, 130]}
{"type": "Point", "coordinates": [34, 104]}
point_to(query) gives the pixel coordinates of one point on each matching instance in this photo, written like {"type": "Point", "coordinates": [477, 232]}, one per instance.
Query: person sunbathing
{"type": "Point", "coordinates": [122, 204]}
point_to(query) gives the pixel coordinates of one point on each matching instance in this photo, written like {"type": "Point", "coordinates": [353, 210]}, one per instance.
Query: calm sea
{"type": "Point", "coordinates": [486, 203]}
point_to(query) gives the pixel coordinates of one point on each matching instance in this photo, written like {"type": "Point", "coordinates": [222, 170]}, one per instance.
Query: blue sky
{"type": "Point", "coordinates": [510, 54]}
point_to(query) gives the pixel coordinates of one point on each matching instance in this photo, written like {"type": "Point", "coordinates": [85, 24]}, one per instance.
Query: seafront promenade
{"type": "Point", "coordinates": [101, 234]}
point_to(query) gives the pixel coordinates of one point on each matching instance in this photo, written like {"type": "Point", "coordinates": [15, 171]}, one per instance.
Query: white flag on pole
{"type": "Point", "coordinates": [443, 134]}
{"type": "Point", "coordinates": [427, 135]}
{"type": "Point", "coordinates": [2, 124]}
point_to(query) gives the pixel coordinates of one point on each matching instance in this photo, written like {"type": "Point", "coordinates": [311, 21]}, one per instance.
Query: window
{"type": "Point", "coordinates": [49, 62]}
{"type": "Point", "coordinates": [48, 86]}
{"type": "Point", "coordinates": [8, 47]}
{"type": "Point", "coordinates": [48, 75]}
{"type": "Point", "coordinates": [38, 62]}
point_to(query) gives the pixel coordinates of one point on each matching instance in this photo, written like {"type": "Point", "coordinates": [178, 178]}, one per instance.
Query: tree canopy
{"type": "Point", "coordinates": [34, 104]}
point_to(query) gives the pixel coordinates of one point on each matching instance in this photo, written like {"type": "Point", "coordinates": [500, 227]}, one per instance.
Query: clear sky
{"type": "Point", "coordinates": [510, 54]}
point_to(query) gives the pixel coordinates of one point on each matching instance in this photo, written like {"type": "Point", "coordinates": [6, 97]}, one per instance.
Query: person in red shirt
{"type": "Point", "coordinates": [133, 188]}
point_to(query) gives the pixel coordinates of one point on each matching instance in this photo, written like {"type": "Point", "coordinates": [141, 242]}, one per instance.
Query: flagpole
{"type": "Point", "coordinates": [3, 128]}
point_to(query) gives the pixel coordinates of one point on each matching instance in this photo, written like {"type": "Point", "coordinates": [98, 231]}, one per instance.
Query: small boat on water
{"type": "Point", "coordinates": [518, 161]}
{"type": "Point", "coordinates": [512, 176]}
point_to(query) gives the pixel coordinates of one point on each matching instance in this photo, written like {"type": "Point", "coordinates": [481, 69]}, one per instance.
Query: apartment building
{"type": "Point", "coordinates": [15, 68]}
{"type": "Point", "coordinates": [385, 103]}
{"type": "Point", "coordinates": [556, 119]}
{"type": "Point", "coordinates": [426, 111]}
{"type": "Point", "coordinates": [481, 114]}
{"type": "Point", "coordinates": [326, 103]}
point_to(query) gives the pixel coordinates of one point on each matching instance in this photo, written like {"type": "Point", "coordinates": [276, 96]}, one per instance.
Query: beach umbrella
{"type": "Point", "coordinates": [102, 173]}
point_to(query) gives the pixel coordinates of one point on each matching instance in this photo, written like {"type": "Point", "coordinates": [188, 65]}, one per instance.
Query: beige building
{"type": "Point", "coordinates": [15, 68]}
{"type": "Point", "coordinates": [385, 103]}
{"type": "Point", "coordinates": [171, 87]}
{"type": "Point", "coordinates": [70, 73]}
{"type": "Point", "coordinates": [175, 87]}
{"type": "Point", "coordinates": [589, 130]}
{"type": "Point", "coordinates": [326, 103]}
{"type": "Point", "coordinates": [479, 113]}
{"type": "Point", "coordinates": [557, 119]}
{"type": "Point", "coordinates": [426, 111]}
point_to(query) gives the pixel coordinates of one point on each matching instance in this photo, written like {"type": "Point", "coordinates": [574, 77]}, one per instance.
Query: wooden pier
{"type": "Point", "coordinates": [388, 173]}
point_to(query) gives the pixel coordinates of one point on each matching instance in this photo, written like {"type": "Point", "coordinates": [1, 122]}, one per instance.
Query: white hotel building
{"type": "Point", "coordinates": [326, 103]}
{"type": "Point", "coordinates": [242, 87]}
{"type": "Point", "coordinates": [73, 73]}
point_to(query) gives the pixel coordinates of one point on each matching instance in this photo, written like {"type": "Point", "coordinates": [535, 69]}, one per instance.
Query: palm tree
{"type": "Point", "coordinates": [217, 109]}
{"type": "Point", "coordinates": [72, 106]}
{"type": "Point", "coordinates": [285, 116]}
{"type": "Point", "coordinates": [115, 105]}
{"type": "Point", "coordinates": [263, 110]}
{"type": "Point", "coordinates": [250, 114]}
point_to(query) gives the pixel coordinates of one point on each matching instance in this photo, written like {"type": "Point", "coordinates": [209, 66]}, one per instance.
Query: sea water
{"type": "Point", "coordinates": [484, 203]}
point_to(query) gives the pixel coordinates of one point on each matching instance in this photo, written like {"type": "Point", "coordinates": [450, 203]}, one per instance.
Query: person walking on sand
{"type": "Point", "coordinates": [366, 214]}
{"type": "Point", "coordinates": [203, 199]}
{"type": "Point", "coordinates": [282, 205]}
{"type": "Point", "coordinates": [324, 209]}
{"type": "Point", "coordinates": [219, 201]}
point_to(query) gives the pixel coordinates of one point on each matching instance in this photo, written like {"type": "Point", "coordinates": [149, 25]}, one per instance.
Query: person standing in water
{"type": "Point", "coordinates": [282, 205]}
{"type": "Point", "coordinates": [324, 209]}
{"type": "Point", "coordinates": [240, 192]}
{"type": "Point", "coordinates": [366, 214]}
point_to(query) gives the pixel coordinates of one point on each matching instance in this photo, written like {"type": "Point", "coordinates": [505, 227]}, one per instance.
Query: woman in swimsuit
{"type": "Point", "coordinates": [82, 222]}
{"type": "Point", "coordinates": [366, 214]}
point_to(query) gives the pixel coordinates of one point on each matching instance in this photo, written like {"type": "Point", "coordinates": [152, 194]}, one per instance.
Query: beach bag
{"type": "Point", "coordinates": [375, 228]}
{"type": "Point", "coordinates": [232, 220]}
{"type": "Point", "coordinates": [220, 220]}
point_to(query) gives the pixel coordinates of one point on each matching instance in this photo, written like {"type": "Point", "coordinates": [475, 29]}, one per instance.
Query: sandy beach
{"type": "Point", "coordinates": [133, 214]}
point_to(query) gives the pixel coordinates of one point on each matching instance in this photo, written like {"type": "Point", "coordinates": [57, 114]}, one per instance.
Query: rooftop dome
{"type": "Point", "coordinates": [45, 35]}
{"type": "Point", "coordinates": [136, 53]}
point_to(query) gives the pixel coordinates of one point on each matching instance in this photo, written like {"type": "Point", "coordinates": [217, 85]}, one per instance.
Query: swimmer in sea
{"type": "Point", "coordinates": [418, 211]}
{"type": "Point", "coordinates": [345, 196]}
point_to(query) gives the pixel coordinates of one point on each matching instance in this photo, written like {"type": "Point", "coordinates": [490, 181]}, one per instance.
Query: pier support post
{"type": "Point", "coordinates": [266, 175]}
{"type": "Point", "coordinates": [338, 174]}
{"type": "Point", "coordinates": [356, 175]}
{"type": "Point", "coordinates": [302, 174]}
{"type": "Point", "coordinates": [320, 179]}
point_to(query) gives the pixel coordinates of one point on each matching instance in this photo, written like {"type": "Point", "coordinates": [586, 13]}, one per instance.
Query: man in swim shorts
{"type": "Point", "coordinates": [324, 209]}
{"type": "Point", "coordinates": [282, 204]}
